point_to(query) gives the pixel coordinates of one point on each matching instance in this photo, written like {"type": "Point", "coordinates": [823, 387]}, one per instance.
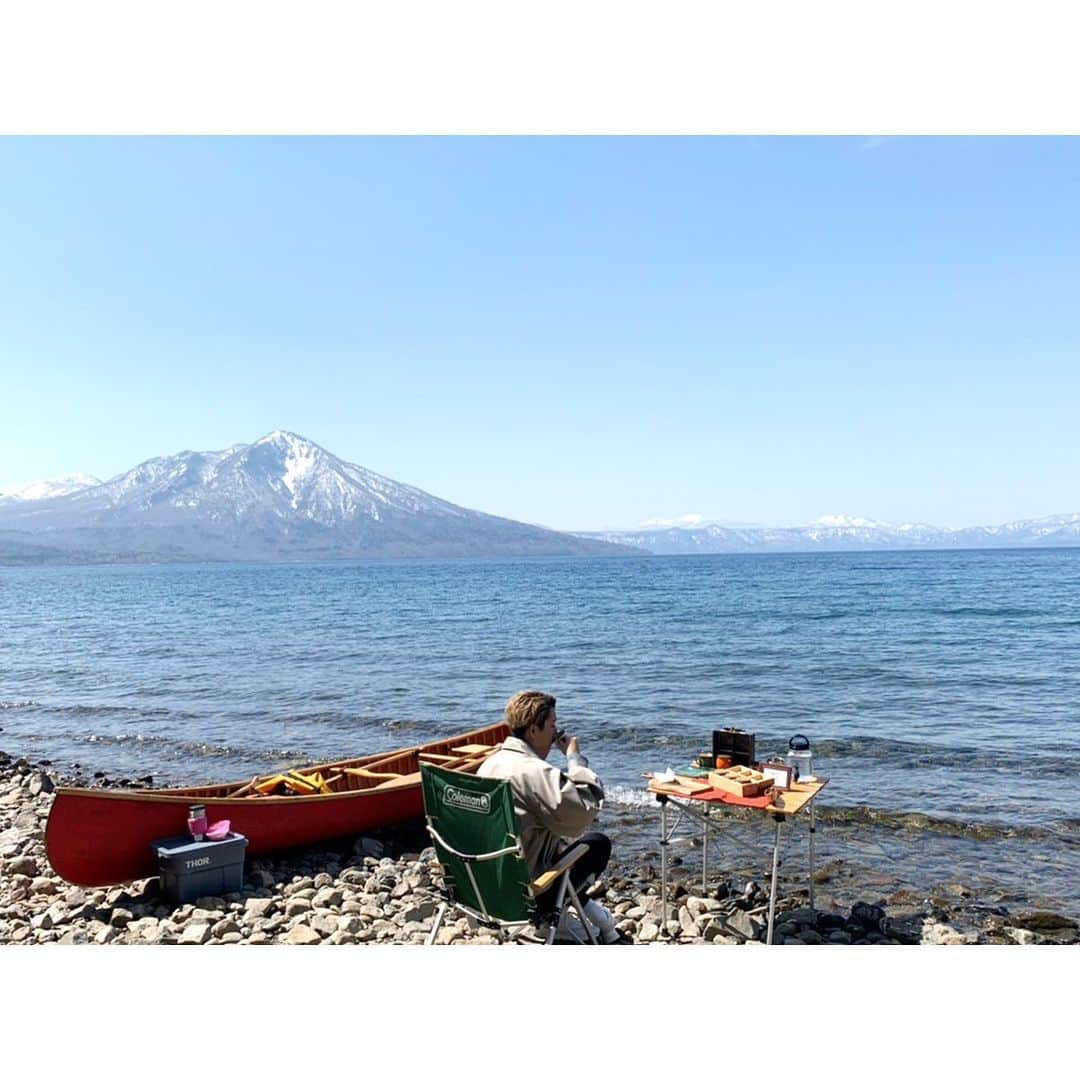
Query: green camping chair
{"type": "Point", "coordinates": [471, 821]}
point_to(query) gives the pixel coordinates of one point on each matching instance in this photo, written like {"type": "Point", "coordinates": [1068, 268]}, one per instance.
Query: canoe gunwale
{"type": "Point", "coordinates": [186, 795]}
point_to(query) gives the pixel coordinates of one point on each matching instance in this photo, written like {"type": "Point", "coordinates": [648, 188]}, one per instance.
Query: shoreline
{"type": "Point", "coordinates": [383, 889]}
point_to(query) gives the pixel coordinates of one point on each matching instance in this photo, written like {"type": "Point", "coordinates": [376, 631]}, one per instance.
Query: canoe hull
{"type": "Point", "coordinates": [98, 837]}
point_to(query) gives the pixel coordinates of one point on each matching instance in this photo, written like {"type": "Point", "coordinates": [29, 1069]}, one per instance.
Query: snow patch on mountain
{"type": "Point", "coordinates": [846, 521]}
{"type": "Point", "coordinates": [685, 521]}
{"type": "Point", "coordinates": [51, 489]}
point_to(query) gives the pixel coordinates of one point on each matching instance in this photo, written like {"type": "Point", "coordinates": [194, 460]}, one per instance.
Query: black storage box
{"type": "Point", "coordinates": [190, 869]}
{"type": "Point", "coordinates": [735, 744]}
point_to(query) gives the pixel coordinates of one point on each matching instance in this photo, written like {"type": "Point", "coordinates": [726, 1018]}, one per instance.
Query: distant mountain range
{"type": "Point", "coordinates": [840, 533]}
{"type": "Point", "coordinates": [280, 498]}
{"type": "Point", "coordinates": [284, 498]}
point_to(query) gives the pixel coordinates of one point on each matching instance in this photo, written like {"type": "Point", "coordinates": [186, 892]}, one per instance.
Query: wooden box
{"type": "Point", "coordinates": [741, 781]}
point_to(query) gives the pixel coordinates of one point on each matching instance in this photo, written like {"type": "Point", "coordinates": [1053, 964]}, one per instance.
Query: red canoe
{"type": "Point", "coordinates": [102, 836]}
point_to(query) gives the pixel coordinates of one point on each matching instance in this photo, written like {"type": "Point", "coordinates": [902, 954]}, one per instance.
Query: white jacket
{"type": "Point", "coordinates": [551, 806]}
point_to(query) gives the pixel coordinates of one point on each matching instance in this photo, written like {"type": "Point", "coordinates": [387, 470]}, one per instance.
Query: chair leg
{"type": "Point", "coordinates": [439, 916]}
{"type": "Point", "coordinates": [581, 914]}
{"type": "Point", "coordinates": [560, 907]}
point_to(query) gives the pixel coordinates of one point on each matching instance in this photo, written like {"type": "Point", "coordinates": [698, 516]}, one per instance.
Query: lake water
{"type": "Point", "coordinates": [940, 690]}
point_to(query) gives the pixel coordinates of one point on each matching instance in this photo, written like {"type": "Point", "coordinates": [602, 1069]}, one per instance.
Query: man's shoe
{"type": "Point", "coordinates": [604, 922]}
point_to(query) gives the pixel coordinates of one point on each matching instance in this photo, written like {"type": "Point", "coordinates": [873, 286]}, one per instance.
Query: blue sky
{"type": "Point", "coordinates": [580, 332]}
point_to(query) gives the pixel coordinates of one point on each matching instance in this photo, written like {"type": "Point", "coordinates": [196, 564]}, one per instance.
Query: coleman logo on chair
{"type": "Point", "coordinates": [477, 802]}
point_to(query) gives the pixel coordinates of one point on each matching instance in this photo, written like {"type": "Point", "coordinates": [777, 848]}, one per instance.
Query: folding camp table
{"type": "Point", "coordinates": [699, 805]}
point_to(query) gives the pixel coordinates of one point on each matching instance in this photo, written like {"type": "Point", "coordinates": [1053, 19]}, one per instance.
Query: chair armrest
{"type": "Point", "coordinates": [549, 877]}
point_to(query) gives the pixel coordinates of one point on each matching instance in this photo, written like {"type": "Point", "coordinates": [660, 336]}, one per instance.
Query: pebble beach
{"type": "Point", "coordinates": [383, 889]}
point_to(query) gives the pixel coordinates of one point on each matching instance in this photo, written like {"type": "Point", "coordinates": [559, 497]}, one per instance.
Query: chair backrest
{"type": "Point", "coordinates": [471, 821]}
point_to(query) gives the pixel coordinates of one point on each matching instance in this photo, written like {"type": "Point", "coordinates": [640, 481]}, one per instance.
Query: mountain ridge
{"type": "Point", "coordinates": [280, 497]}
{"type": "Point", "coordinates": [844, 533]}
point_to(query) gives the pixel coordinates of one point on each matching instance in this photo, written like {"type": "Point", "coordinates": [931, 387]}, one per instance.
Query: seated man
{"type": "Point", "coordinates": [552, 806]}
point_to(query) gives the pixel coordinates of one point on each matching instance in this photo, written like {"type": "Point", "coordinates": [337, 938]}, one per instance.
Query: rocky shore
{"type": "Point", "coordinates": [383, 889]}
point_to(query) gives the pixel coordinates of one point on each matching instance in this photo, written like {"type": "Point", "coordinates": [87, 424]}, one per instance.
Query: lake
{"type": "Point", "coordinates": [939, 690]}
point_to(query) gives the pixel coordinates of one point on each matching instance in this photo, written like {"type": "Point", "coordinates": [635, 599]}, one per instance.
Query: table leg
{"type": "Point", "coordinates": [705, 851]}
{"type": "Point", "coordinates": [811, 854]}
{"type": "Point", "coordinates": [775, 876]}
{"type": "Point", "coordinates": [663, 865]}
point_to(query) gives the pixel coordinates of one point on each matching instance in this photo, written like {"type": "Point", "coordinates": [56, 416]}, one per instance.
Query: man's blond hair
{"type": "Point", "coordinates": [527, 707]}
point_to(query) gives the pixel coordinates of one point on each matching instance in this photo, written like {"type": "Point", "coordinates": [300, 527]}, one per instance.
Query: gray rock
{"type": "Point", "coordinates": [1020, 936]}
{"type": "Point", "coordinates": [325, 925]}
{"type": "Point", "coordinates": [907, 929]}
{"type": "Point", "coordinates": [120, 918]}
{"type": "Point", "coordinates": [256, 909]}
{"type": "Point", "coordinates": [211, 904]}
{"type": "Point", "coordinates": [698, 906]}
{"type": "Point", "coordinates": [297, 905]}
{"type": "Point", "coordinates": [328, 897]}
{"type": "Point", "coordinates": [839, 937]}
{"type": "Point", "coordinates": [156, 934]}
{"type": "Point", "coordinates": [39, 783]}
{"type": "Point", "coordinates": [687, 923]}
{"type": "Point", "coordinates": [715, 928]}
{"type": "Point", "coordinates": [23, 864]}
{"type": "Point", "coordinates": [366, 845]}
{"type": "Point", "coordinates": [935, 933]}
{"type": "Point", "coordinates": [810, 937]}
{"type": "Point", "coordinates": [225, 927]}
{"type": "Point", "coordinates": [1043, 921]}
{"type": "Point", "coordinates": [421, 912]}
{"type": "Point", "coordinates": [59, 912]}
{"type": "Point", "coordinates": [649, 931]}
{"type": "Point", "coordinates": [196, 933]}
{"type": "Point", "coordinates": [745, 925]}
{"type": "Point", "coordinates": [19, 887]}
{"type": "Point", "coordinates": [302, 935]}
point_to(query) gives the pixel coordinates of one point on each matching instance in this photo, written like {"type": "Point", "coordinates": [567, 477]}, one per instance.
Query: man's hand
{"type": "Point", "coordinates": [568, 744]}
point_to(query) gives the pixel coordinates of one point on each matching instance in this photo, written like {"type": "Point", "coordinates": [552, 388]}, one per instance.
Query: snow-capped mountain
{"type": "Point", "coordinates": [50, 489]}
{"type": "Point", "coordinates": [281, 497]}
{"type": "Point", "coordinates": [839, 532]}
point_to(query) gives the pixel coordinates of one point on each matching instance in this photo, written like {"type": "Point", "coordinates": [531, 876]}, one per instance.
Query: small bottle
{"type": "Point", "coordinates": [196, 821]}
